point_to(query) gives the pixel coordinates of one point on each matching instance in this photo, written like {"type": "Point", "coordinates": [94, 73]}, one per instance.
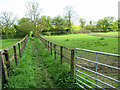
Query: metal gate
{"type": "Point", "coordinates": [93, 76]}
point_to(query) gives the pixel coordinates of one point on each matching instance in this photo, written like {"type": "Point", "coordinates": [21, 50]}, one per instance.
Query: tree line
{"type": "Point", "coordinates": [33, 22]}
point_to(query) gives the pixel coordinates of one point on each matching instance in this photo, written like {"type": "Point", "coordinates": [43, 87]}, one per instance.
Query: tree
{"type": "Point", "coordinates": [44, 23]}
{"type": "Point", "coordinates": [0, 24]}
{"type": "Point", "coordinates": [91, 22]}
{"type": "Point", "coordinates": [82, 22]}
{"type": "Point", "coordinates": [7, 19]}
{"type": "Point", "coordinates": [106, 23]}
{"type": "Point", "coordinates": [115, 25]}
{"type": "Point", "coordinates": [25, 26]}
{"type": "Point", "coordinates": [33, 12]}
{"type": "Point", "coordinates": [22, 20]}
{"type": "Point", "coordinates": [59, 24]}
{"type": "Point", "coordinates": [69, 15]}
{"type": "Point", "coordinates": [7, 22]}
{"type": "Point", "coordinates": [92, 25]}
{"type": "Point", "coordinates": [119, 22]}
{"type": "Point", "coordinates": [49, 23]}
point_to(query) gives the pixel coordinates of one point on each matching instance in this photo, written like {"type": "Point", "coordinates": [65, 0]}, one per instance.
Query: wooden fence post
{"type": "Point", "coordinates": [15, 54]}
{"type": "Point", "coordinates": [26, 39]}
{"type": "Point", "coordinates": [51, 48]}
{"type": "Point", "coordinates": [22, 45]}
{"type": "Point", "coordinates": [19, 49]}
{"type": "Point", "coordinates": [48, 45]}
{"type": "Point", "coordinates": [61, 54]}
{"type": "Point", "coordinates": [3, 72]}
{"type": "Point", "coordinates": [72, 63]}
{"type": "Point", "coordinates": [55, 51]}
{"type": "Point", "coordinates": [1, 66]}
{"type": "Point", "coordinates": [45, 43]}
{"type": "Point", "coordinates": [7, 59]}
{"type": "Point", "coordinates": [24, 42]}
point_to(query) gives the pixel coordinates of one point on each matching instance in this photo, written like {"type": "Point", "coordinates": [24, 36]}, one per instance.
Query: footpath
{"type": "Point", "coordinates": [30, 72]}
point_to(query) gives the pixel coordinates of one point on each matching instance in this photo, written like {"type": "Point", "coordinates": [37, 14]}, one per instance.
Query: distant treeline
{"type": "Point", "coordinates": [35, 23]}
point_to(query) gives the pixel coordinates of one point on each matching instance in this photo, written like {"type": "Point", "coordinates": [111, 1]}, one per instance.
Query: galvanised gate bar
{"type": "Point", "coordinates": [93, 82]}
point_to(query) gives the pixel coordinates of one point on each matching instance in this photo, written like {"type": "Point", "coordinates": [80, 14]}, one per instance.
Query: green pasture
{"type": "Point", "coordinates": [96, 43]}
{"type": "Point", "coordinates": [86, 41]}
{"type": "Point", "coordinates": [9, 42]}
{"type": "Point", "coordinates": [110, 34]}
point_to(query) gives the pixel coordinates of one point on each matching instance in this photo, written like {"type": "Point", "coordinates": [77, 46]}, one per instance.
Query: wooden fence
{"type": "Point", "coordinates": [53, 49]}
{"type": "Point", "coordinates": [7, 55]}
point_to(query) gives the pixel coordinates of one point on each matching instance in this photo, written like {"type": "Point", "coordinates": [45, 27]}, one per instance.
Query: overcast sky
{"type": "Point", "coordinates": [88, 9]}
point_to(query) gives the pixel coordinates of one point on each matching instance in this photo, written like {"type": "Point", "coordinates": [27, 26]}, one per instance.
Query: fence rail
{"type": "Point", "coordinates": [77, 70]}
{"type": "Point", "coordinates": [79, 67]}
{"type": "Point", "coordinates": [6, 57]}
{"type": "Point", "coordinates": [57, 49]}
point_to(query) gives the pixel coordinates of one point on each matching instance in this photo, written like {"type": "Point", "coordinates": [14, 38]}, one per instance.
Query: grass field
{"type": "Point", "coordinates": [85, 41]}
{"type": "Point", "coordinates": [8, 42]}
{"type": "Point", "coordinates": [107, 34]}
{"type": "Point", "coordinates": [96, 43]}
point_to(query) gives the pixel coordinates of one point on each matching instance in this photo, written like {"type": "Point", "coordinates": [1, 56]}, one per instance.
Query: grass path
{"type": "Point", "coordinates": [43, 79]}
{"type": "Point", "coordinates": [30, 72]}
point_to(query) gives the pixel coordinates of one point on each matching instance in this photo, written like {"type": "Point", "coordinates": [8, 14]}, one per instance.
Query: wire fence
{"type": "Point", "coordinates": [93, 76]}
